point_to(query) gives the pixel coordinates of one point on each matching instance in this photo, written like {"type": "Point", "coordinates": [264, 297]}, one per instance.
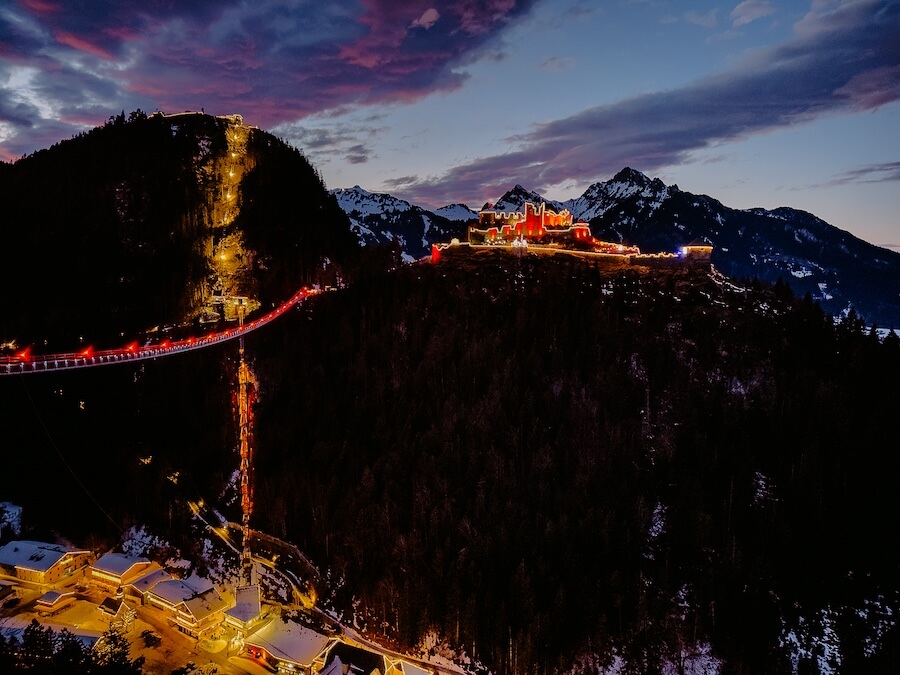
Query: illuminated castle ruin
{"type": "Point", "coordinates": [540, 225]}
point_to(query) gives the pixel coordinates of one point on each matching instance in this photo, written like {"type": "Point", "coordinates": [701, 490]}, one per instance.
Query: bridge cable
{"type": "Point", "coordinates": [63, 459]}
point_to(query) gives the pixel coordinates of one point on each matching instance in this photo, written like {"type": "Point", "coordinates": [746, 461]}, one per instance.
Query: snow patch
{"type": "Point", "coordinates": [813, 639]}
{"type": "Point", "coordinates": [763, 492]}
{"type": "Point", "coordinates": [138, 542]}
{"type": "Point", "coordinates": [437, 650]}
{"type": "Point", "coordinates": [696, 661]}
{"type": "Point", "coordinates": [10, 518]}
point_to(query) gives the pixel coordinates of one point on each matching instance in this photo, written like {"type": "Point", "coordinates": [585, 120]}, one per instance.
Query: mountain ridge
{"type": "Point", "coordinates": [836, 268]}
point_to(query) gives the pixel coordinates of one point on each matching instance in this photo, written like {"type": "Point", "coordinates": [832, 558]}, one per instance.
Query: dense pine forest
{"type": "Point", "coordinates": [539, 458]}
{"type": "Point", "coordinates": [543, 458]}
{"type": "Point", "coordinates": [556, 466]}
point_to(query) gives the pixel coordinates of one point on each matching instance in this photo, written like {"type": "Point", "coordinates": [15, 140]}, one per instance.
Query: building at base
{"type": "Point", "coordinates": [41, 563]}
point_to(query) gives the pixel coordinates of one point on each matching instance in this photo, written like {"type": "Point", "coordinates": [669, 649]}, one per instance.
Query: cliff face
{"type": "Point", "coordinates": [156, 220]}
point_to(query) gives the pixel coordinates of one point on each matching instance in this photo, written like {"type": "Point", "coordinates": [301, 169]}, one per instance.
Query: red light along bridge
{"type": "Point", "coordinates": [25, 362]}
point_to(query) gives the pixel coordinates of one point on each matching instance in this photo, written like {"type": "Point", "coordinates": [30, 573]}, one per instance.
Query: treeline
{"type": "Point", "coordinates": [42, 651]}
{"type": "Point", "coordinates": [542, 459]}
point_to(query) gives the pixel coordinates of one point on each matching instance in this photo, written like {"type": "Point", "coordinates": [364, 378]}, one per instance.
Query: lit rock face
{"type": "Point", "coordinates": [230, 288]}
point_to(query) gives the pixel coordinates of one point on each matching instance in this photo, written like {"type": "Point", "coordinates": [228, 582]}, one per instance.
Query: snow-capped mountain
{"type": "Point", "coordinates": [626, 185]}
{"type": "Point", "coordinates": [837, 269]}
{"type": "Point", "coordinates": [457, 212]}
{"type": "Point", "coordinates": [515, 199]}
{"type": "Point", "coordinates": [379, 218]}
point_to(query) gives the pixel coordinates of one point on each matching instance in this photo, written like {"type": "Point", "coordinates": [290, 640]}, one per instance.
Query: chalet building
{"type": "Point", "coordinates": [288, 646]}
{"type": "Point", "coordinates": [246, 614]}
{"type": "Point", "coordinates": [140, 587]}
{"type": "Point", "coordinates": [41, 563]}
{"type": "Point", "coordinates": [52, 602]}
{"type": "Point", "coordinates": [116, 570]}
{"type": "Point", "coordinates": [117, 613]}
{"type": "Point", "coordinates": [190, 609]}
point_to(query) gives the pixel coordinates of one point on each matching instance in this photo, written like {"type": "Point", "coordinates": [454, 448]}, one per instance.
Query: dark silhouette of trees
{"type": "Point", "coordinates": [44, 652]}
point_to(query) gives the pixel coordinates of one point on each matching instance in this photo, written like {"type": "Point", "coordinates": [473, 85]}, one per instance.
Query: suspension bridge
{"type": "Point", "coordinates": [24, 362]}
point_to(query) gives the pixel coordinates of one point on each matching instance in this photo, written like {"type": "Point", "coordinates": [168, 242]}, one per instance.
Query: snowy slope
{"type": "Point", "coordinates": [837, 269]}
{"type": "Point", "coordinates": [380, 219]}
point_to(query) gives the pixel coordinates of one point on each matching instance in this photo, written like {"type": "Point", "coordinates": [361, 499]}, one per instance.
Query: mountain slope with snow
{"type": "Point", "coordinates": [837, 269]}
{"type": "Point", "coordinates": [380, 219]}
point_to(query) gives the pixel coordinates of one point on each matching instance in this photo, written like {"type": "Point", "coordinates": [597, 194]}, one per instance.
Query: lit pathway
{"type": "Point", "coordinates": [25, 362]}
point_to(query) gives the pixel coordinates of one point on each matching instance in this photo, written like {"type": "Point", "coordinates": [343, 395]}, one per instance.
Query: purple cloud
{"type": "Point", "coordinates": [272, 60]}
{"type": "Point", "coordinates": [427, 20]}
{"type": "Point", "coordinates": [840, 60]}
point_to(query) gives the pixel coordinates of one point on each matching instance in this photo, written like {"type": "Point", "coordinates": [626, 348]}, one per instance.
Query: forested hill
{"type": "Point", "coordinates": [554, 465]}
{"type": "Point", "coordinates": [141, 221]}
{"type": "Point", "coordinates": [551, 462]}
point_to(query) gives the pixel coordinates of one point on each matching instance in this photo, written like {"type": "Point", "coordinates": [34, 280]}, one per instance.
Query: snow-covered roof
{"type": "Point", "coordinates": [173, 591]}
{"type": "Point", "coordinates": [34, 555]}
{"type": "Point", "coordinates": [52, 597]}
{"type": "Point", "coordinates": [117, 563]}
{"type": "Point", "coordinates": [199, 604]}
{"type": "Point", "coordinates": [206, 603]}
{"type": "Point", "coordinates": [360, 660]}
{"type": "Point", "coordinates": [150, 579]}
{"type": "Point", "coordinates": [198, 583]}
{"type": "Point", "coordinates": [334, 667]}
{"type": "Point", "coordinates": [410, 669]}
{"type": "Point", "coordinates": [247, 604]}
{"type": "Point", "coordinates": [289, 641]}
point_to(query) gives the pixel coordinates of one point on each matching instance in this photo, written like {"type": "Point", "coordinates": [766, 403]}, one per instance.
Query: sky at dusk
{"type": "Point", "coordinates": [754, 102]}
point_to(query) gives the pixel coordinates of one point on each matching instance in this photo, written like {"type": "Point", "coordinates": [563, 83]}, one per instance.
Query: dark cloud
{"type": "Point", "coordinates": [271, 60]}
{"type": "Point", "coordinates": [324, 144]}
{"type": "Point", "coordinates": [358, 154]}
{"type": "Point", "coordinates": [841, 59]}
{"type": "Point", "coordinates": [401, 182]}
{"type": "Point", "coordinates": [871, 173]}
